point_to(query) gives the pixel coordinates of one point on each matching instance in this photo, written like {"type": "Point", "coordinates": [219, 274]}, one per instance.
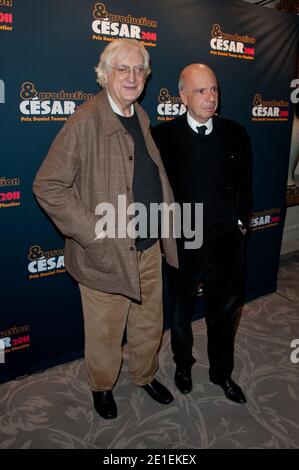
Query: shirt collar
{"type": "Point", "coordinates": [116, 109]}
{"type": "Point", "coordinates": [194, 124]}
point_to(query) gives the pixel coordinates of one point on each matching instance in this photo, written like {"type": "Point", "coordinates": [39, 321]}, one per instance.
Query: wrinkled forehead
{"type": "Point", "coordinates": [199, 78]}
{"type": "Point", "coordinates": [127, 55]}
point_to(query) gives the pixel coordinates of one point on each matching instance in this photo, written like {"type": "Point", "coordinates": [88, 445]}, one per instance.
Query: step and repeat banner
{"type": "Point", "coordinates": [48, 51]}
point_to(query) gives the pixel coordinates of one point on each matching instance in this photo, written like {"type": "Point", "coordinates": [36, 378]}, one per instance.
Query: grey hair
{"type": "Point", "coordinates": [110, 51]}
{"type": "Point", "coordinates": [181, 81]}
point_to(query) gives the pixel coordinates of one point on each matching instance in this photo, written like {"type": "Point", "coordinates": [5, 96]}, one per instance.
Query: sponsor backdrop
{"type": "Point", "coordinates": [48, 53]}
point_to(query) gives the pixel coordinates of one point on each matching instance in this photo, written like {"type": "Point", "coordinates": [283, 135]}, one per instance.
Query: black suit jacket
{"type": "Point", "coordinates": [171, 136]}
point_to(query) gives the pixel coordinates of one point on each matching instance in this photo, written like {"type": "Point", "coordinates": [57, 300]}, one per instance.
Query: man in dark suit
{"type": "Point", "coordinates": [208, 160]}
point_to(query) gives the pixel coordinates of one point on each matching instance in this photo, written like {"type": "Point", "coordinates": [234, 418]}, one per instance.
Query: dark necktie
{"type": "Point", "coordinates": [201, 130]}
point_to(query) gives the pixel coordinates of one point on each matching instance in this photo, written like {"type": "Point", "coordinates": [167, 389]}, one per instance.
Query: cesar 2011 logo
{"type": "Point", "coordinates": [117, 25]}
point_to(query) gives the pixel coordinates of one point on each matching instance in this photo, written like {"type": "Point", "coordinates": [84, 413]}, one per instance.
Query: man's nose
{"type": "Point", "coordinates": [132, 75]}
{"type": "Point", "coordinates": [210, 96]}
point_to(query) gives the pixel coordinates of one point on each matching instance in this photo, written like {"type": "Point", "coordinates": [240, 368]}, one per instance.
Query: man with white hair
{"type": "Point", "coordinates": [105, 150]}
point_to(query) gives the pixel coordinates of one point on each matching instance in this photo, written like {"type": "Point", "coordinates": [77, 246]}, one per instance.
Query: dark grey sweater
{"type": "Point", "coordinates": [146, 181]}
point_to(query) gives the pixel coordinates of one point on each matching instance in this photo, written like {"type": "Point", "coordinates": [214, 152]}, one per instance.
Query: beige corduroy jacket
{"type": "Point", "coordinates": [92, 161]}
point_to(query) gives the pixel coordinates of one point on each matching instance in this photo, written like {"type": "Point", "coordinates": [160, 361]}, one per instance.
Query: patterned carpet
{"type": "Point", "coordinates": [53, 410]}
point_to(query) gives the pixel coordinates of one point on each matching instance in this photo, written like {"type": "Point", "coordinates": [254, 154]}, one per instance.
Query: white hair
{"type": "Point", "coordinates": [110, 51]}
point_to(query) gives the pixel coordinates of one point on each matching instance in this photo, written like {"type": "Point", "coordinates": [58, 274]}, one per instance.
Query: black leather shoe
{"type": "Point", "coordinates": [183, 379]}
{"type": "Point", "coordinates": [158, 392]}
{"type": "Point", "coordinates": [104, 404]}
{"type": "Point", "coordinates": [231, 390]}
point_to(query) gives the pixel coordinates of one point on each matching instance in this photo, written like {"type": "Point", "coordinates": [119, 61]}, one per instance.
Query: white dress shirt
{"type": "Point", "coordinates": [194, 124]}
{"type": "Point", "coordinates": [116, 109]}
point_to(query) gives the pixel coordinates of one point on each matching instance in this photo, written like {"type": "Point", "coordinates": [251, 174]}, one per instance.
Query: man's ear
{"type": "Point", "coordinates": [183, 97]}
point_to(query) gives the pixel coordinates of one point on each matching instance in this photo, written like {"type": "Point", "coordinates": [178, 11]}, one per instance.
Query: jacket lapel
{"type": "Point", "coordinates": [111, 123]}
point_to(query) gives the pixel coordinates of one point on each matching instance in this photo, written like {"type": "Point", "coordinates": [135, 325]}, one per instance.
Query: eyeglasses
{"type": "Point", "coordinates": [124, 70]}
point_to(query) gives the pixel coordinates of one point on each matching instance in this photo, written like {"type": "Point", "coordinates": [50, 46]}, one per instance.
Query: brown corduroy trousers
{"type": "Point", "coordinates": [105, 318]}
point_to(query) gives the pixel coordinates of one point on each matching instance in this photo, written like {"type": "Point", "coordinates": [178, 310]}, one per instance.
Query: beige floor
{"type": "Point", "coordinates": [54, 410]}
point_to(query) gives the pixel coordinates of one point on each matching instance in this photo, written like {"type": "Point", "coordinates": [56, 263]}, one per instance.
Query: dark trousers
{"type": "Point", "coordinates": [220, 266]}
